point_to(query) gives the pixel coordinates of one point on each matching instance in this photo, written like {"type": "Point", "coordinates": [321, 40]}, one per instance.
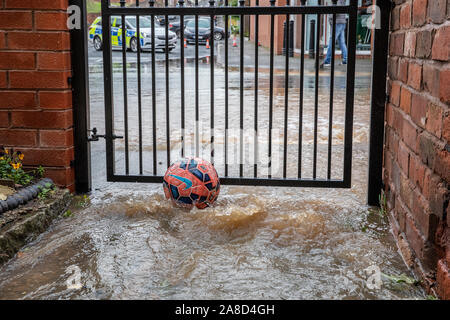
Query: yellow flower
{"type": "Point", "coordinates": [16, 165]}
{"type": "Point", "coordinates": [2, 158]}
{"type": "Point", "coordinates": [6, 151]}
{"type": "Point", "coordinates": [21, 156]}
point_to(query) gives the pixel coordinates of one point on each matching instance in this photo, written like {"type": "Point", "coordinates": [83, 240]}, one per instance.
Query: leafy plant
{"type": "Point", "coordinates": [39, 172]}
{"type": "Point", "coordinates": [83, 201]}
{"type": "Point", "coordinates": [68, 214]}
{"type": "Point", "coordinates": [45, 191]}
{"type": "Point", "coordinates": [383, 204]}
{"type": "Point", "coordinates": [11, 166]}
{"type": "Point", "coordinates": [234, 29]}
{"type": "Point", "coordinates": [403, 278]}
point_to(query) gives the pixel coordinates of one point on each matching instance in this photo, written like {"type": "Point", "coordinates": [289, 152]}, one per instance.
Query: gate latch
{"type": "Point", "coordinates": [96, 137]}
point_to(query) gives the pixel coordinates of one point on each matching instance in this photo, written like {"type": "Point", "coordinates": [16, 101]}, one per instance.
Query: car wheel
{"type": "Point", "coordinates": [218, 36]}
{"type": "Point", "coordinates": [98, 45]}
{"type": "Point", "coordinates": [134, 45]}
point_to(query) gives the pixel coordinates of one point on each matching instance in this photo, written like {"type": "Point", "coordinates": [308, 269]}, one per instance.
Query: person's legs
{"type": "Point", "coordinates": [330, 43]}
{"type": "Point", "coordinates": [340, 31]}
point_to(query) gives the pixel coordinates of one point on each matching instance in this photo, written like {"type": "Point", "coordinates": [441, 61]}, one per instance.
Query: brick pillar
{"type": "Point", "coordinates": [416, 155]}
{"type": "Point", "coordinates": [35, 95]}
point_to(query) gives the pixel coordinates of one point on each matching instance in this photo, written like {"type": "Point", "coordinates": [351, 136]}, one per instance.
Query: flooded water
{"type": "Point", "coordinates": [255, 243]}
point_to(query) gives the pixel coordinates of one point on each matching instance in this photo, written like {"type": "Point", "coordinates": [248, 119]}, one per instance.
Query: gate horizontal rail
{"type": "Point", "coordinates": [242, 179]}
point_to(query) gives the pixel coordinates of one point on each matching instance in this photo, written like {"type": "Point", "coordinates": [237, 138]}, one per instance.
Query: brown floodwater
{"type": "Point", "coordinates": [129, 242]}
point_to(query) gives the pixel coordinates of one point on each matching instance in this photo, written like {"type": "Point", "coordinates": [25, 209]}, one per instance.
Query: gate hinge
{"type": "Point", "coordinates": [96, 137]}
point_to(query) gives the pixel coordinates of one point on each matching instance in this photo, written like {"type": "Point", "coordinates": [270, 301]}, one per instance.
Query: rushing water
{"type": "Point", "coordinates": [274, 243]}
{"type": "Point", "coordinates": [255, 243]}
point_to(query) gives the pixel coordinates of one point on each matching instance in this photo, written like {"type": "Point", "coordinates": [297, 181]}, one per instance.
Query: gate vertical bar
{"type": "Point", "coordinates": [125, 87]}
{"type": "Point", "coordinates": [154, 146]}
{"type": "Point", "coordinates": [80, 100]}
{"type": "Point", "coordinates": [139, 83]}
{"type": "Point", "coordinates": [381, 42]}
{"type": "Point", "coordinates": [166, 27]}
{"type": "Point", "coordinates": [272, 30]}
{"type": "Point", "coordinates": [302, 84]}
{"type": "Point", "coordinates": [108, 87]}
{"type": "Point", "coordinates": [183, 118]}
{"type": "Point", "coordinates": [241, 94]}
{"type": "Point", "coordinates": [330, 115]}
{"type": "Point", "coordinates": [226, 92]}
{"type": "Point", "coordinates": [197, 112]}
{"type": "Point", "coordinates": [255, 165]}
{"type": "Point", "coordinates": [316, 95]}
{"type": "Point", "coordinates": [286, 93]}
{"type": "Point", "coordinates": [212, 24]}
{"type": "Point", "coordinates": [301, 89]}
{"type": "Point", "coordinates": [350, 94]}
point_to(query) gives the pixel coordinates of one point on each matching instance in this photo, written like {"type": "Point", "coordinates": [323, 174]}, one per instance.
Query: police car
{"type": "Point", "coordinates": [95, 34]}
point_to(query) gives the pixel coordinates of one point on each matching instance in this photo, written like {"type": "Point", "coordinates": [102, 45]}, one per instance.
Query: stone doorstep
{"type": "Point", "coordinates": [26, 223]}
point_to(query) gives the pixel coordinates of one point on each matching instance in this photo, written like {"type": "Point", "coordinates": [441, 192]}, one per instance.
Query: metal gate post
{"type": "Point", "coordinates": [379, 74]}
{"type": "Point", "coordinates": [108, 89]}
{"type": "Point", "coordinates": [80, 100]}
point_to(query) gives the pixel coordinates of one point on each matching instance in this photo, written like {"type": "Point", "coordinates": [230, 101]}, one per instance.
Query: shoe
{"type": "Point", "coordinates": [323, 65]}
{"type": "Point", "coordinates": [343, 63]}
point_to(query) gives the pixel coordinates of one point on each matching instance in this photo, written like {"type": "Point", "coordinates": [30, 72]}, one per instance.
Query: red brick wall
{"type": "Point", "coordinates": [416, 157]}
{"type": "Point", "coordinates": [264, 27]}
{"type": "Point", "coordinates": [35, 95]}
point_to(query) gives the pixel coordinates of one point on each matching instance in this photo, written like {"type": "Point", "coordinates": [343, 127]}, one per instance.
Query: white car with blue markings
{"type": "Point", "coordinates": [95, 34]}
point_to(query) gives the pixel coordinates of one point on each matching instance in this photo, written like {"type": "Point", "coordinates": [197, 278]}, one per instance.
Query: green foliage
{"type": "Point", "coordinates": [383, 204]}
{"type": "Point", "coordinates": [234, 29]}
{"type": "Point", "coordinates": [93, 7]}
{"type": "Point", "coordinates": [39, 172]}
{"type": "Point", "coordinates": [82, 201]}
{"type": "Point", "coordinates": [45, 191]}
{"type": "Point", "coordinates": [11, 167]}
{"type": "Point", "coordinates": [430, 297]}
{"type": "Point", "coordinates": [403, 278]}
{"type": "Point", "coordinates": [68, 214]}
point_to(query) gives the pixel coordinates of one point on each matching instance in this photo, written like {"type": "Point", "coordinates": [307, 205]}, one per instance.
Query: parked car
{"type": "Point", "coordinates": [95, 34]}
{"type": "Point", "coordinates": [175, 26]}
{"type": "Point", "coordinates": [204, 31]}
{"type": "Point", "coordinates": [162, 19]}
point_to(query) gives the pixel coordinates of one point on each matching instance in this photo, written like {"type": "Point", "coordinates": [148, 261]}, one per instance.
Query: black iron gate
{"type": "Point", "coordinates": [242, 175]}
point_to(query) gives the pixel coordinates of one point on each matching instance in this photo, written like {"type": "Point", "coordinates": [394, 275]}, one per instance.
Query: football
{"type": "Point", "coordinates": [192, 182]}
